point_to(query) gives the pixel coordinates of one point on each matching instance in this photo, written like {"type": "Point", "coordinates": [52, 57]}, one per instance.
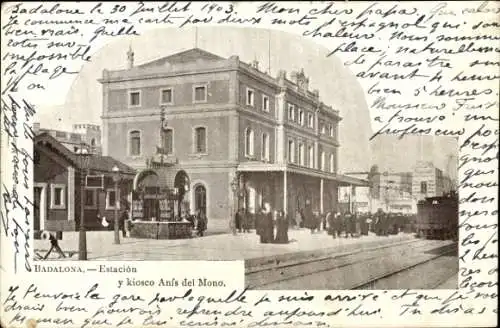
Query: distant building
{"type": "Point", "coordinates": [90, 134]}
{"type": "Point", "coordinates": [430, 181]}
{"type": "Point", "coordinates": [231, 136]}
{"type": "Point", "coordinates": [389, 191]}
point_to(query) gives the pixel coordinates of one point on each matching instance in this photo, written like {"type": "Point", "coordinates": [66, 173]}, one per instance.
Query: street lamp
{"type": "Point", "coordinates": [83, 156]}
{"type": "Point", "coordinates": [234, 187]}
{"type": "Point", "coordinates": [116, 179]}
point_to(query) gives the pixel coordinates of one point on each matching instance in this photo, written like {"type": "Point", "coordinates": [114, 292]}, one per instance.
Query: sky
{"type": "Point", "coordinates": [275, 50]}
{"type": "Point", "coordinates": [393, 154]}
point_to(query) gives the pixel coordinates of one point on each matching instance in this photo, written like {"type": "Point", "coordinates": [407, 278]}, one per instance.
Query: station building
{"type": "Point", "coordinates": [219, 134]}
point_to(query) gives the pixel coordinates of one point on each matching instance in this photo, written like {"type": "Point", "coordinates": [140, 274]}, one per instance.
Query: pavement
{"type": "Point", "coordinates": [225, 247]}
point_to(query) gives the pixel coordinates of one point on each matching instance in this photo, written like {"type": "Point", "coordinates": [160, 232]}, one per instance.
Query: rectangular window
{"type": "Point", "coordinates": [301, 117]}
{"type": "Point", "coordinates": [201, 140]}
{"type": "Point", "coordinates": [265, 103]}
{"type": "Point", "coordinates": [322, 128]}
{"type": "Point", "coordinates": [134, 98]}
{"type": "Point", "coordinates": [423, 187]}
{"type": "Point", "coordinates": [57, 196]}
{"type": "Point", "coordinates": [167, 96]}
{"type": "Point", "coordinates": [332, 164]}
{"type": "Point", "coordinates": [291, 151]}
{"type": "Point", "coordinates": [291, 112]}
{"type": "Point", "coordinates": [310, 120]}
{"type": "Point", "coordinates": [332, 132]}
{"type": "Point", "coordinates": [135, 143]}
{"type": "Point", "coordinates": [111, 199]}
{"type": "Point", "coordinates": [250, 97]}
{"type": "Point", "coordinates": [265, 147]}
{"type": "Point", "coordinates": [90, 198]}
{"type": "Point", "coordinates": [311, 157]}
{"type": "Point", "coordinates": [168, 141]}
{"type": "Point", "coordinates": [200, 93]}
{"type": "Point", "coordinates": [302, 157]}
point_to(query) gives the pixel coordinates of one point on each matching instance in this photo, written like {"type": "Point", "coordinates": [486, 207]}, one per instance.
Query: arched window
{"type": "Point", "coordinates": [200, 140]}
{"type": "Point", "coordinates": [135, 143]}
{"type": "Point", "coordinates": [302, 155]}
{"type": "Point", "coordinates": [323, 158]}
{"type": "Point", "coordinates": [167, 141]}
{"type": "Point", "coordinates": [251, 199]}
{"type": "Point", "coordinates": [249, 142]}
{"type": "Point", "coordinates": [265, 146]}
{"type": "Point", "coordinates": [311, 157]}
{"type": "Point", "coordinates": [291, 151]}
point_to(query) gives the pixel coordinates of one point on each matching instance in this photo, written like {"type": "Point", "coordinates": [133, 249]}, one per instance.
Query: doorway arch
{"type": "Point", "coordinates": [200, 198]}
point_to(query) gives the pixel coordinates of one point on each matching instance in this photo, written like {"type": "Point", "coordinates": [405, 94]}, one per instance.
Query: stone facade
{"type": "Point", "coordinates": [224, 118]}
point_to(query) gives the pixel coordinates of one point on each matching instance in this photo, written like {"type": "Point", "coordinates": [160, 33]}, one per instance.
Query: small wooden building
{"type": "Point", "coordinates": [58, 188]}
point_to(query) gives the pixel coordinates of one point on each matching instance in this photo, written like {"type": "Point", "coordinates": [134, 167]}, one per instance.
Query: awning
{"type": "Point", "coordinates": [342, 180]}
{"type": "Point", "coordinates": [345, 180]}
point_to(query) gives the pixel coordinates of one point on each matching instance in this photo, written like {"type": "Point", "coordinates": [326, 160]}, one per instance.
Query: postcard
{"type": "Point", "coordinates": [249, 164]}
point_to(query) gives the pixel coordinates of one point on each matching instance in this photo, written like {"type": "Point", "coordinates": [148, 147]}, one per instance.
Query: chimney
{"type": "Point", "coordinates": [255, 64]}
{"type": "Point", "coordinates": [130, 58]}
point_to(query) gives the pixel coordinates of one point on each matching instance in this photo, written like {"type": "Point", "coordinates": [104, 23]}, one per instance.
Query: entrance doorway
{"type": "Point", "coordinates": [39, 207]}
{"type": "Point", "coordinates": [36, 208]}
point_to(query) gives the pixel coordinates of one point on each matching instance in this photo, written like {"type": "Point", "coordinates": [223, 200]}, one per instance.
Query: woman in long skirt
{"type": "Point", "coordinates": [259, 225]}
{"type": "Point", "coordinates": [268, 227]}
{"type": "Point", "coordinates": [282, 228]}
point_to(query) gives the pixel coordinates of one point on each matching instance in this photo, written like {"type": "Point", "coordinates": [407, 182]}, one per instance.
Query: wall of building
{"type": "Point", "coordinates": [94, 214]}
{"type": "Point", "coordinates": [51, 172]}
{"type": "Point", "coordinates": [258, 128]}
{"type": "Point", "coordinates": [219, 199]}
{"type": "Point", "coordinates": [150, 96]}
{"type": "Point", "coordinates": [260, 89]}
{"type": "Point", "coordinates": [424, 172]}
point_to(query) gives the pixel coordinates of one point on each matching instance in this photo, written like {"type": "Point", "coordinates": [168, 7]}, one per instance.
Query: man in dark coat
{"type": "Point", "coordinates": [201, 222]}
{"type": "Point", "coordinates": [246, 220]}
{"type": "Point", "coordinates": [364, 225]}
{"type": "Point", "coordinates": [238, 219]}
{"type": "Point", "coordinates": [123, 220]}
{"type": "Point", "coordinates": [54, 245]}
{"type": "Point", "coordinates": [260, 225]}
{"type": "Point", "coordinates": [348, 223]}
{"type": "Point", "coordinates": [379, 222]}
{"type": "Point", "coordinates": [268, 227]}
{"type": "Point", "coordinates": [329, 222]}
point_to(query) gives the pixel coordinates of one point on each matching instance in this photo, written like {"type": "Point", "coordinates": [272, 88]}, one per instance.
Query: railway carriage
{"type": "Point", "coordinates": [437, 217]}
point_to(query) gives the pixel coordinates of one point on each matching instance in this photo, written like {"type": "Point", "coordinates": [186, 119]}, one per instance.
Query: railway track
{"type": "Point", "coordinates": [436, 269]}
{"type": "Point", "coordinates": [355, 270]}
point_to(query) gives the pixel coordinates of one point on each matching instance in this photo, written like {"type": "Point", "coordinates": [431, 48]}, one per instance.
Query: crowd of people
{"type": "Point", "coordinates": [273, 226]}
